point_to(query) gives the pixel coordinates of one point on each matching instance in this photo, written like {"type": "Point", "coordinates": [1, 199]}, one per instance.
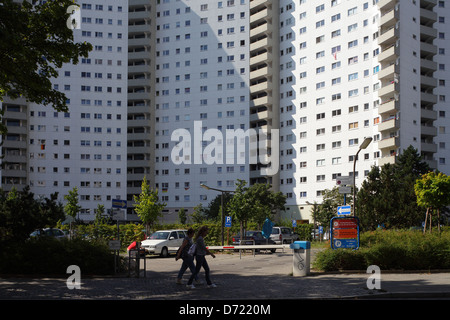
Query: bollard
{"type": "Point", "coordinates": [301, 258]}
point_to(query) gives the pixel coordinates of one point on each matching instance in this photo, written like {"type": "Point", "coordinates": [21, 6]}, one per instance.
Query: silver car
{"type": "Point", "coordinates": [282, 235]}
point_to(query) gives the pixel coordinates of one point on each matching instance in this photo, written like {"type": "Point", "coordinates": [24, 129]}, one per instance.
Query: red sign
{"type": "Point", "coordinates": [345, 223]}
{"type": "Point", "coordinates": [345, 233]}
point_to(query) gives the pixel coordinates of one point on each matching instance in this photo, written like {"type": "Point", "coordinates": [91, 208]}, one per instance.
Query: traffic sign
{"type": "Point", "coordinates": [344, 210]}
{"type": "Point", "coordinates": [228, 221]}
{"type": "Point", "coordinates": [343, 181]}
{"type": "Point", "coordinates": [320, 229]}
{"type": "Point", "coordinates": [344, 232]}
{"type": "Point", "coordinates": [345, 190]}
{"type": "Point", "coordinates": [294, 223]}
{"type": "Point", "coordinates": [122, 204]}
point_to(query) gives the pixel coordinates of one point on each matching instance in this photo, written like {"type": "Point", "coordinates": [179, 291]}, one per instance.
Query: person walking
{"type": "Point", "coordinates": [200, 258]}
{"type": "Point", "coordinates": [188, 260]}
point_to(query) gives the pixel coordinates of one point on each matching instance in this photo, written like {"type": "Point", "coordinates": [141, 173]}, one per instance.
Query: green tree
{"type": "Point", "coordinates": [212, 212]}
{"type": "Point", "coordinates": [72, 208]}
{"type": "Point", "coordinates": [21, 214]}
{"type": "Point", "coordinates": [99, 211]}
{"type": "Point", "coordinates": [36, 42]}
{"type": "Point", "coordinates": [198, 216]}
{"type": "Point", "coordinates": [254, 203]}
{"type": "Point", "coordinates": [147, 205]}
{"type": "Point", "coordinates": [387, 196]}
{"type": "Point", "coordinates": [182, 216]}
{"type": "Point", "coordinates": [265, 202]}
{"type": "Point", "coordinates": [331, 200]}
{"type": "Point", "coordinates": [433, 193]}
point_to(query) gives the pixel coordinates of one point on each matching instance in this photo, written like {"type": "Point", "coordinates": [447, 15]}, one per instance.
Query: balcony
{"type": "Point", "coordinates": [428, 81]}
{"type": "Point", "coordinates": [389, 71]}
{"type": "Point", "coordinates": [262, 72]}
{"type": "Point", "coordinates": [386, 5]}
{"type": "Point", "coordinates": [389, 54]}
{"type": "Point", "coordinates": [388, 91]}
{"type": "Point", "coordinates": [428, 97]}
{"type": "Point", "coordinates": [262, 115]}
{"type": "Point", "coordinates": [388, 159]}
{"type": "Point", "coordinates": [428, 147]}
{"type": "Point", "coordinates": [256, 3]}
{"type": "Point", "coordinates": [389, 18]}
{"type": "Point", "coordinates": [267, 100]}
{"type": "Point", "coordinates": [388, 37]}
{"type": "Point", "coordinates": [428, 131]}
{"type": "Point", "coordinates": [391, 143]}
{"type": "Point", "coordinates": [254, 17]}
{"type": "Point", "coordinates": [264, 28]}
{"type": "Point", "coordinates": [428, 65]}
{"type": "Point", "coordinates": [427, 32]}
{"type": "Point", "coordinates": [391, 106]}
{"type": "Point", "coordinates": [428, 114]}
{"type": "Point", "coordinates": [259, 44]}
{"type": "Point", "coordinates": [262, 86]}
{"type": "Point", "coordinates": [428, 48]}
{"type": "Point", "coordinates": [263, 57]}
{"type": "Point", "coordinates": [388, 125]}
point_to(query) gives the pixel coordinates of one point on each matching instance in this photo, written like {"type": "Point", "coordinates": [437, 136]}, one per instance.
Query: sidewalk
{"type": "Point", "coordinates": [259, 277]}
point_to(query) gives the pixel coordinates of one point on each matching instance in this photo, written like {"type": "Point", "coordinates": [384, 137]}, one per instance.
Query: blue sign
{"type": "Point", "coordinates": [122, 204]}
{"type": "Point", "coordinates": [228, 221]}
{"type": "Point", "coordinates": [320, 229]}
{"type": "Point", "coordinates": [267, 228]}
{"type": "Point", "coordinates": [294, 223]}
{"type": "Point", "coordinates": [344, 210]}
{"type": "Point", "coordinates": [345, 243]}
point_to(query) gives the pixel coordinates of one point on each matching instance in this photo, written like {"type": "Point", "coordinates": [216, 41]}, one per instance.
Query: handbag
{"type": "Point", "coordinates": [192, 250]}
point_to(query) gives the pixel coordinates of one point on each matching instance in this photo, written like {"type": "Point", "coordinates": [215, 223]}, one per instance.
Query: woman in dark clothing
{"type": "Point", "coordinates": [188, 260]}
{"type": "Point", "coordinates": [200, 258]}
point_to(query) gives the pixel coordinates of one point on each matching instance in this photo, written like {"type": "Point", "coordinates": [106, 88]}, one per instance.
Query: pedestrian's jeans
{"type": "Point", "coordinates": [200, 262]}
{"type": "Point", "coordinates": [188, 262]}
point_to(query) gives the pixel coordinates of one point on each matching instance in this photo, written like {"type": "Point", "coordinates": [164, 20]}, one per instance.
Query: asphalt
{"type": "Point", "coordinates": [262, 277]}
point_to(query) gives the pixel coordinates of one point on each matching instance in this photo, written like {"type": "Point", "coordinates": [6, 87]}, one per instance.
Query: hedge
{"type": "Point", "coordinates": [390, 250]}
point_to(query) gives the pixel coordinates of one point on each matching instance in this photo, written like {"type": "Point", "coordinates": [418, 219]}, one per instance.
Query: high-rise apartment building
{"type": "Point", "coordinates": [173, 87]}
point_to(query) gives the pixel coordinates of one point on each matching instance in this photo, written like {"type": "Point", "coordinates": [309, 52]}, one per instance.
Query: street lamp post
{"type": "Point", "coordinates": [363, 145]}
{"type": "Point", "coordinates": [221, 201]}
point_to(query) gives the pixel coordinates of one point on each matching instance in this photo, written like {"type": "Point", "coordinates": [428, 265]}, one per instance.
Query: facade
{"type": "Point", "coordinates": [173, 88]}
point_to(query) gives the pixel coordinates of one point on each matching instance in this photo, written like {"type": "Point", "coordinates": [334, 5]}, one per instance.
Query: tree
{"type": "Point", "coordinates": [265, 202]}
{"type": "Point", "coordinates": [182, 216]}
{"type": "Point", "coordinates": [35, 43]}
{"type": "Point", "coordinates": [433, 193]}
{"type": "Point", "coordinates": [328, 208]}
{"type": "Point", "coordinates": [21, 214]}
{"type": "Point", "coordinates": [387, 196]}
{"type": "Point", "coordinates": [198, 216]}
{"type": "Point", "coordinates": [147, 206]}
{"type": "Point", "coordinates": [213, 211]}
{"type": "Point", "coordinates": [99, 211]}
{"type": "Point", "coordinates": [254, 203]}
{"type": "Point", "coordinates": [72, 208]}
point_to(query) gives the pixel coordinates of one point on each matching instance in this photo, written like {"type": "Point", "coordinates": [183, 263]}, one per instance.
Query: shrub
{"type": "Point", "coordinates": [48, 256]}
{"type": "Point", "coordinates": [391, 250]}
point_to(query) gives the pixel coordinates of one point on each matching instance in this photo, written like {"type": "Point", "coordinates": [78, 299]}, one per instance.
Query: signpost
{"type": "Point", "coordinates": [121, 204]}
{"type": "Point", "coordinates": [344, 232]}
{"type": "Point", "coordinates": [344, 210]}
{"type": "Point", "coordinates": [228, 226]}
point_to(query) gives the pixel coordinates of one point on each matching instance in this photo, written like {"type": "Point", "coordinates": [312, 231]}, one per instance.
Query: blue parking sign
{"type": "Point", "coordinates": [228, 221]}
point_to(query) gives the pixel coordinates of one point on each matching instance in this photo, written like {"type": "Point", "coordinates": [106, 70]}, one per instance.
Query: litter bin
{"type": "Point", "coordinates": [301, 259]}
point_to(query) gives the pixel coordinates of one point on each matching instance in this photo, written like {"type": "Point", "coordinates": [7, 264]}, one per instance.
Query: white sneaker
{"type": "Point", "coordinates": [212, 285]}
{"type": "Point", "coordinates": [190, 286]}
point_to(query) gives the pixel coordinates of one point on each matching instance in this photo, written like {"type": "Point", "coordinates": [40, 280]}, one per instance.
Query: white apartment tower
{"type": "Point", "coordinates": [324, 74]}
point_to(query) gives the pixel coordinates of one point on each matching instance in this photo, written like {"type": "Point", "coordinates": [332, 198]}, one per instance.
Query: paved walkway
{"type": "Point", "coordinates": [256, 277]}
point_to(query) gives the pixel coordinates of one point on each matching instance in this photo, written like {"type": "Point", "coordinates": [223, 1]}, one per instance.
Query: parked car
{"type": "Point", "coordinates": [282, 235]}
{"type": "Point", "coordinates": [252, 238]}
{"type": "Point", "coordinates": [49, 232]}
{"type": "Point", "coordinates": [164, 242]}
